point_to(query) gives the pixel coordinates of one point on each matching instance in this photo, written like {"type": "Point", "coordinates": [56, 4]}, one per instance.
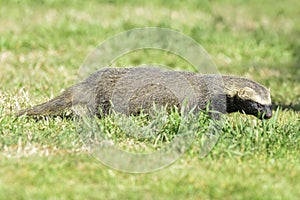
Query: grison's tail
{"type": "Point", "coordinates": [52, 107]}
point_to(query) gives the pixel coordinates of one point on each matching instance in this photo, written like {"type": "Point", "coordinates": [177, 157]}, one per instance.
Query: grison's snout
{"type": "Point", "coordinates": [265, 111]}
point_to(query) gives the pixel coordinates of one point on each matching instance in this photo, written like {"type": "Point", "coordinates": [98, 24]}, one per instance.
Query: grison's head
{"type": "Point", "coordinates": [255, 102]}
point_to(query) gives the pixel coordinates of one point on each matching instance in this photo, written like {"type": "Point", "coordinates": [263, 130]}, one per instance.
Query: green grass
{"type": "Point", "coordinates": [42, 46]}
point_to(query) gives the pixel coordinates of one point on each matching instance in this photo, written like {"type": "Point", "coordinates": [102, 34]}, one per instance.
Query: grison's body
{"type": "Point", "coordinates": [131, 90]}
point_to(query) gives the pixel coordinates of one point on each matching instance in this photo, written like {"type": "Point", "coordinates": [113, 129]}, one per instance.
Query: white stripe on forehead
{"type": "Point", "coordinates": [266, 101]}
{"type": "Point", "coordinates": [264, 98]}
{"type": "Point", "coordinates": [251, 94]}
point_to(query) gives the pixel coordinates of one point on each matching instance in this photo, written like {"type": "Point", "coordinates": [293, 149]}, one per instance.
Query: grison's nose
{"type": "Point", "coordinates": [267, 113]}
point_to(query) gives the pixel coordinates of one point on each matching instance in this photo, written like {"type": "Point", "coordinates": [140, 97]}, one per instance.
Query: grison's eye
{"type": "Point", "coordinates": [255, 105]}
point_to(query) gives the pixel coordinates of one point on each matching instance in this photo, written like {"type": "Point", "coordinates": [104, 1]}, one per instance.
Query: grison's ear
{"type": "Point", "coordinates": [246, 93]}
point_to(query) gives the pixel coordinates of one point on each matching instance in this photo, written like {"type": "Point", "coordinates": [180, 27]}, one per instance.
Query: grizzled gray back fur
{"type": "Point", "coordinates": [130, 90]}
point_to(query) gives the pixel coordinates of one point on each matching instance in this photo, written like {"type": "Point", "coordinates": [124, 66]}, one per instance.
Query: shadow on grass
{"type": "Point", "coordinates": [295, 71]}
{"type": "Point", "coordinates": [294, 107]}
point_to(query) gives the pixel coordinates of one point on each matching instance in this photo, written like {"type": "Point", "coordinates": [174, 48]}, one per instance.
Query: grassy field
{"type": "Point", "coordinates": [43, 44]}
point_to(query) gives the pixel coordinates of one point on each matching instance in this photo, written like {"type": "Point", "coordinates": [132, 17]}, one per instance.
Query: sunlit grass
{"type": "Point", "coordinates": [42, 46]}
